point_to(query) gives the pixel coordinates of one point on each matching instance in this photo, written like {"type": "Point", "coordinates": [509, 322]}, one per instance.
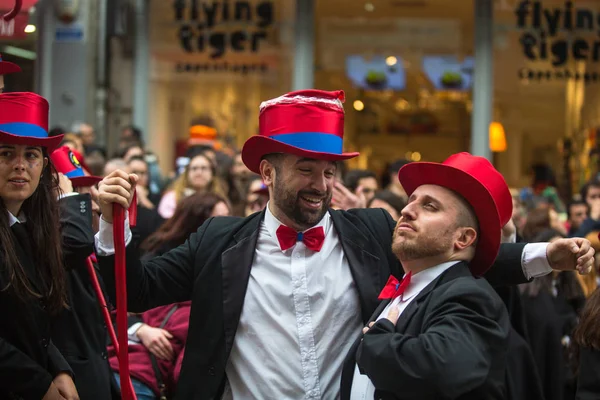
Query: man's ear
{"type": "Point", "coordinates": [466, 238]}
{"type": "Point", "coordinates": [267, 172]}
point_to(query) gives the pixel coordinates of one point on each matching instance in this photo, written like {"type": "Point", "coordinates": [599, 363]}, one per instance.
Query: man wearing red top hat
{"type": "Point", "coordinates": [440, 332]}
{"type": "Point", "coordinates": [6, 68]}
{"type": "Point", "coordinates": [279, 297]}
{"type": "Point", "coordinates": [79, 332]}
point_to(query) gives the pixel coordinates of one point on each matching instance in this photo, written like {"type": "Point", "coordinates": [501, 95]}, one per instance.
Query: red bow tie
{"type": "Point", "coordinates": [393, 288]}
{"type": "Point", "coordinates": [312, 238]}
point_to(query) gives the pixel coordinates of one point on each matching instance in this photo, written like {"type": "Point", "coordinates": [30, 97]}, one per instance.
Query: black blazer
{"type": "Point", "coordinates": [79, 332]}
{"type": "Point", "coordinates": [588, 384]}
{"type": "Point", "coordinates": [449, 343]}
{"type": "Point", "coordinates": [29, 360]}
{"type": "Point", "coordinates": [212, 269]}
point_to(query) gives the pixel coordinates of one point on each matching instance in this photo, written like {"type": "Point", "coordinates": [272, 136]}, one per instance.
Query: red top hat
{"type": "Point", "coordinates": [8, 67]}
{"type": "Point", "coordinates": [24, 120]}
{"type": "Point", "coordinates": [478, 182]}
{"type": "Point", "coordinates": [68, 164]}
{"type": "Point", "coordinates": [306, 123]}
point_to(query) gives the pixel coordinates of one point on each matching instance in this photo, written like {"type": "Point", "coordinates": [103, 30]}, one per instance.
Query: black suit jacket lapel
{"type": "Point", "coordinates": [236, 263]}
{"type": "Point", "coordinates": [365, 267]}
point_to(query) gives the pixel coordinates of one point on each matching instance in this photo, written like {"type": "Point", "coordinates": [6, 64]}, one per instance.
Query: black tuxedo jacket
{"type": "Point", "coordinates": [449, 343]}
{"type": "Point", "coordinates": [212, 269]}
{"type": "Point", "coordinates": [29, 360]}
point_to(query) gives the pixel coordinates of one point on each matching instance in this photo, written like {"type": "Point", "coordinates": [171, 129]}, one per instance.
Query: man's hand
{"type": "Point", "coordinates": [66, 387]}
{"type": "Point", "coordinates": [345, 199]}
{"type": "Point", "coordinates": [156, 340]}
{"type": "Point", "coordinates": [570, 254]}
{"type": "Point", "coordinates": [64, 185]}
{"type": "Point", "coordinates": [53, 393]}
{"type": "Point", "coordinates": [393, 315]}
{"type": "Point", "coordinates": [117, 188]}
{"type": "Point", "coordinates": [509, 232]}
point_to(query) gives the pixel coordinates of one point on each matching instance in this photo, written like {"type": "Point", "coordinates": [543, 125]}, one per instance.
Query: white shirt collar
{"type": "Point", "coordinates": [420, 280]}
{"type": "Point", "coordinates": [13, 220]}
{"type": "Point", "coordinates": [272, 223]}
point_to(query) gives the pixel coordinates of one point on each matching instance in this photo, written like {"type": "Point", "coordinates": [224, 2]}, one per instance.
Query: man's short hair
{"type": "Point", "coordinates": [354, 176]}
{"type": "Point", "coordinates": [578, 202]}
{"type": "Point", "coordinates": [467, 219]}
{"type": "Point", "coordinates": [593, 183]}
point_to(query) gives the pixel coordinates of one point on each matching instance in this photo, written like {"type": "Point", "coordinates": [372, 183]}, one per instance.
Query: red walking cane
{"type": "Point", "coordinates": [104, 308]}
{"type": "Point", "coordinates": [127, 392]}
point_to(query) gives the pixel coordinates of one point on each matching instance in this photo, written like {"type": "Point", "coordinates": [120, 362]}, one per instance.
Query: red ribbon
{"type": "Point", "coordinates": [393, 288]}
{"type": "Point", "coordinates": [127, 392]}
{"type": "Point", "coordinates": [104, 308]}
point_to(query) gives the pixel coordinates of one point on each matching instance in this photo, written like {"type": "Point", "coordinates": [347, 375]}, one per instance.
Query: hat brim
{"type": "Point", "coordinates": [413, 175]}
{"type": "Point", "coordinates": [85, 181]}
{"type": "Point", "coordinates": [50, 143]}
{"type": "Point", "coordinates": [257, 147]}
{"type": "Point", "coordinates": [6, 67]}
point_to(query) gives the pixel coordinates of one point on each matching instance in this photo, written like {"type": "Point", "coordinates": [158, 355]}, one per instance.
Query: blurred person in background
{"type": "Point", "coordinates": [577, 212]}
{"type": "Point", "coordinates": [539, 220]}
{"type": "Point", "coordinates": [363, 180]}
{"type": "Point", "coordinates": [198, 177]}
{"type": "Point", "coordinates": [389, 201]}
{"type": "Point", "coordinates": [238, 179]}
{"type": "Point", "coordinates": [391, 182]}
{"type": "Point", "coordinates": [133, 150]}
{"type": "Point", "coordinates": [587, 341]}
{"type": "Point", "coordinates": [74, 142]}
{"type": "Point", "coordinates": [114, 164]}
{"type": "Point", "coordinates": [543, 190]}
{"type": "Point", "coordinates": [590, 193]}
{"type": "Point", "coordinates": [257, 197]}
{"type": "Point", "coordinates": [189, 215]}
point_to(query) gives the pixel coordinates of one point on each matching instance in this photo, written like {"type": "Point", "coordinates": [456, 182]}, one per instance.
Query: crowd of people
{"type": "Point", "coordinates": [276, 272]}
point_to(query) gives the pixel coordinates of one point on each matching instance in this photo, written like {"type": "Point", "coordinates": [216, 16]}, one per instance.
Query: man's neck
{"type": "Point", "coordinates": [284, 219]}
{"type": "Point", "coordinates": [422, 264]}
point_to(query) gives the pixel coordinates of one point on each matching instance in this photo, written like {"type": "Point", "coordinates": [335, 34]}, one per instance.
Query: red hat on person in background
{"type": "Point", "coordinates": [66, 162]}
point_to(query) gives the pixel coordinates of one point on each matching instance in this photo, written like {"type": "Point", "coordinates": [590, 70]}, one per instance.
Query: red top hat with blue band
{"type": "Point", "coordinates": [24, 120]}
{"type": "Point", "coordinates": [306, 123]}
{"type": "Point", "coordinates": [481, 185]}
{"type": "Point", "coordinates": [8, 67]}
{"type": "Point", "coordinates": [67, 163]}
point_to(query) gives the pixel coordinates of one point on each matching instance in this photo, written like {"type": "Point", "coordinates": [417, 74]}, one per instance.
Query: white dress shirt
{"type": "Point", "coordinates": [300, 317]}
{"type": "Point", "coordinates": [362, 387]}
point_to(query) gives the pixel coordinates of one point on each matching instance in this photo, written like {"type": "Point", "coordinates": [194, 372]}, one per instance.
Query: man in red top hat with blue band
{"type": "Point", "coordinates": [280, 297]}
{"type": "Point", "coordinates": [6, 68]}
{"type": "Point", "coordinates": [441, 332]}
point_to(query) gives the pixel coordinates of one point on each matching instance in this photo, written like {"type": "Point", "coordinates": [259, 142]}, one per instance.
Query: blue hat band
{"type": "Point", "coordinates": [312, 141]}
{"type": "Point", "coordinates": [24, 129]}
{"type": "Point", "coordinates": [76, 173]}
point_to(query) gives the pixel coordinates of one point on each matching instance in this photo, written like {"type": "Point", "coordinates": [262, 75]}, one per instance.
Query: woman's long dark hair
{"type": "Point", "coordinates": [587, 332]}
{"type": "Point", "coordinates": [190, 213]}
{"type": "Point", "coordinates": [41, 211]}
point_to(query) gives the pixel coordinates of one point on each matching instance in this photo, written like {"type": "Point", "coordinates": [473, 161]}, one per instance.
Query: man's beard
{"type": "Point", "coordinates": [422, 246]}
{"type": "Point", "coordinates": [289, 203]}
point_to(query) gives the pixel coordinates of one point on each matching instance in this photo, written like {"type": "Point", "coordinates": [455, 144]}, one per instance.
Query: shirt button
{"type": "Point", "coordinates": [212, 371]}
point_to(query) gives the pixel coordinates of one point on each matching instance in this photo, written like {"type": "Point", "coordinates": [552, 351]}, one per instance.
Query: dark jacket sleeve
{"type": "Point", "coordinates": [76, 229]}
{"type": "Point", "coordinates": [162, 280]}
{"type": "Point", "coordinates": [507, 270]}
{"type": "Point", "coordinates": [464, 329]}
{"type": "Point", "coordinates": [56, 361]}
{"type": "Point", "coordinates": [20, 375]}
{"type": "Point", "coordinates": [588, 382]}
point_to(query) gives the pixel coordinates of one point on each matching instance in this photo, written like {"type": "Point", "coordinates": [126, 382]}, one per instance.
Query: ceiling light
{"type": "Point", "coordinates": [30, 28]}
{"type": "Point", "coordinates": [359, 105]}
{"type": "Point", "coordinates": [369, 7]}
{"type": "Point", "coordinates": [391, 60]}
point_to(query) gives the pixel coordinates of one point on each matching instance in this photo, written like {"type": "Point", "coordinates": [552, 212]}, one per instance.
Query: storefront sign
{"type": "Point", "coordinates": [15, 28]}
{"type": "Point", "coordinates": [220, 27]}
{"type": "Point", "coordinates": [558, 35]}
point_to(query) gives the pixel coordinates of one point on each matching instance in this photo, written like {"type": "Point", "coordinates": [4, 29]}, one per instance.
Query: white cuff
{"type": "Point", "coordinates": [534, 261]}
{"type": "Point", "coordinates": [105, 243]}
{"type": "Point", "coordinates": [62, 195]}
{"type": "Point", "coordinates": [132, 332]}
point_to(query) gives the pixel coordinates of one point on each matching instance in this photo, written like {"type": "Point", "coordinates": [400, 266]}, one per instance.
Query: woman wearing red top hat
{"type": "Point", "coordinates": [32, 280]}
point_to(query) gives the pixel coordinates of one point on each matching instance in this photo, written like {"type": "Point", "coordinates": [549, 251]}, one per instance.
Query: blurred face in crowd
{"type": "Point", "coordinates": [593, 195]}
{"type": "Point", "coordinates": [75, 143]}
{"type": "Point", "coordinates": [115, 164]}
{"type": "Point", "coordinates": [378, 203]}
{"type": "Point", "coordinates": [220, 210]}
{"type": "Point", "coordinates": [93, 192]}
{"type": "Point", "coordinates": [88, 136]}
{"type": "Point", "coordinates": [199, 172]}
{"type": "Point", "coordinates": [140, 168]}
{"type": "Point", "coordinates": [300, 189]}
{"type": "Point", "coordinates": [21, 167]}
{"type": "Point", "coordinates": [577, 214]}
{"type": "Point", "coordinates": [434, 225]}
{"type": "Point", "coordinates": [255, 201]}
{"type": "Point", "coordinates": [369, 187]}
{"type": "Point", "coordinates": [239, 169]}
{"type": "Point", "coordinates": [135, 151]}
